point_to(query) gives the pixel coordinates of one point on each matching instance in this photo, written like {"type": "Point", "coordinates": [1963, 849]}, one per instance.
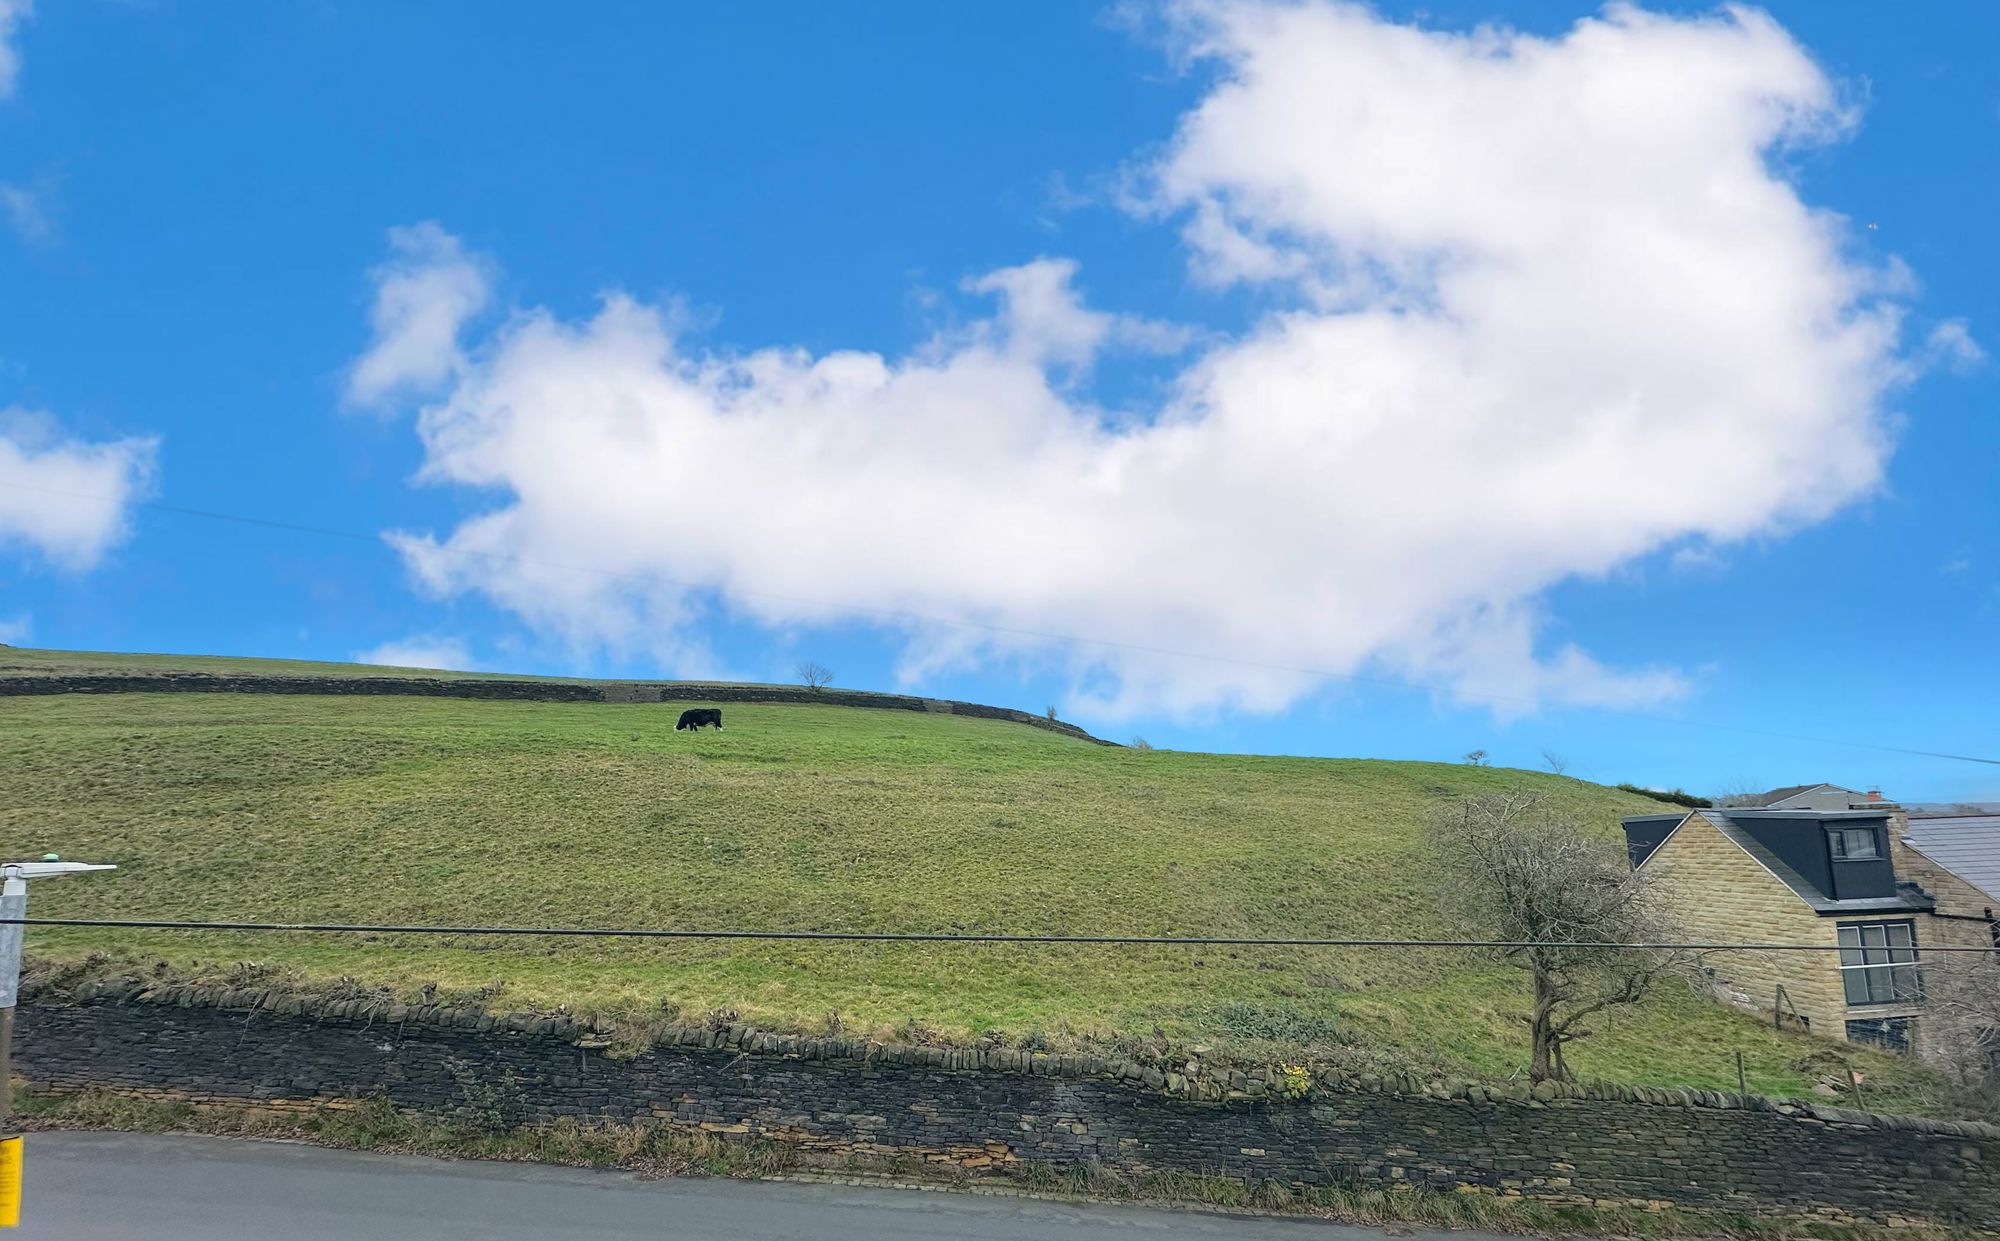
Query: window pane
{"type": "Point", "coordinates": [1856, 842]}
{"type": "Point", "coordinates": [1856, 984]}
{"type": "Point", "coordinates": [1905, 982]}
{"type": "Point", "coordinates": [1901, 933]}
{"type": "Point", "coordinates": [1850, 945]}
{"type": "Point", "coordinates": [1890, 1032]}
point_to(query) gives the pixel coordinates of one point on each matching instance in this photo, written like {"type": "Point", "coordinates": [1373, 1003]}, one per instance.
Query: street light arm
{"type": "Point", "coordinates": [48, 870]}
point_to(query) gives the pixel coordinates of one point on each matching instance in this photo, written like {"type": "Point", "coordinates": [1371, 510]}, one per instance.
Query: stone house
{"type": "Point", "coordinates": [1848, 878]}
{"type": "Point", "coordinates": [1806, 797]}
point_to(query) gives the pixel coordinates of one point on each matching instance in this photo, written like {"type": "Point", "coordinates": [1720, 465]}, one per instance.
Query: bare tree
{"type": "Point", "coordinates": [815, 676]}
{"type": "Point", "coordinates": [1738, 792]}
{"type": "Point", "coordinates": [1140, 743]}
{"type": "Point", "coordinates": [1962, 1019]}
{"type": "Point", "coordinates": [1475, 758]}
{"type": "Point", "coordinates": [1556, 762]}
{"type": "Point", "coordinates": [1052, 712]}
{"type": "Point", "coordinates": [1518, 872]}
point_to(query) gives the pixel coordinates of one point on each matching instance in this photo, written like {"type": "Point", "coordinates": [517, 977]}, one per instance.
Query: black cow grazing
{"type": "Point", "coordinates": [695, 717]}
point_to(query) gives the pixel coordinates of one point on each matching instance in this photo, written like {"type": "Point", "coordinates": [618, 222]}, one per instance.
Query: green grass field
{"type": "Point", "coordinates": [436, 811]}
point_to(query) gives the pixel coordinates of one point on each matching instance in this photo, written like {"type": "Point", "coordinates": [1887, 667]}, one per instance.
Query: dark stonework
{"type": "Point", "coordinates": [989, 1108]}
{"type": "Point", "coordinates": [494, 688]}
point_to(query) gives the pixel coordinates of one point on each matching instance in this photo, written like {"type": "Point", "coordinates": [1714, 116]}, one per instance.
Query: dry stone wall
{"type": "Point", "coordinates": [499, 689]}
{"type": "Point", "coordinates": [986, 1109]}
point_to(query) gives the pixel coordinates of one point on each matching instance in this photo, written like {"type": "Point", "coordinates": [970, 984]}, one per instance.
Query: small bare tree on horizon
{"type": "Point", "coordinates": [1738, 792]}
{"type": "Point", "coordinates": [815, 676]}
{"type": "Point", "coordinates": [1475, 758]}
{"type": "Point", "coordinates": [1520, 873]}
{"type": "Point", "coordinates": [1556, 762]}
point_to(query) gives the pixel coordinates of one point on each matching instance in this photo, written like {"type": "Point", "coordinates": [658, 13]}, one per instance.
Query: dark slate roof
{"type": "Point", "coordinates": [1905, 900]}
{"type": "Point", "coordinates": [1966, 845]}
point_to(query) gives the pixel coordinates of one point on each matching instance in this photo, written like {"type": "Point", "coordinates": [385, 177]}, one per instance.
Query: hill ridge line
{"type": "Point", "coordinates": [522, 690]}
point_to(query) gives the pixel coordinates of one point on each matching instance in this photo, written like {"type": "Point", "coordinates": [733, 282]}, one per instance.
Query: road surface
{"type": "Point", "coordinates": [114, 1187]}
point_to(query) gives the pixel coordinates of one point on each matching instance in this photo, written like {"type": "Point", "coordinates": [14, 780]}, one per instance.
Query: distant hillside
{"type": "Point", "coordinates": [405, 809]}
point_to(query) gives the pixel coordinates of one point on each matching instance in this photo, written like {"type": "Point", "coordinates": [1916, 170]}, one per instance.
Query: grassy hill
{"type": "Point", "coordinates": [420, 810]}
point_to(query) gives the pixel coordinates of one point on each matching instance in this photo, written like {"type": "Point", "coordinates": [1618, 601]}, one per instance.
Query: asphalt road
{"type": "Point", "coordinates": [110, 1187]}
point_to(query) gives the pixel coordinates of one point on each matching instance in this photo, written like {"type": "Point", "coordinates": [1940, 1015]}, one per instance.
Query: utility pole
{"type": "Point", "coordinates": [14, 878]}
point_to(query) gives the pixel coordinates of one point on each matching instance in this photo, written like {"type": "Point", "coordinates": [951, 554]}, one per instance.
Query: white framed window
{"type": "Point", "coordinates": [1878, 962]}
{"type": "Point", "coordinates": [1854, 844]}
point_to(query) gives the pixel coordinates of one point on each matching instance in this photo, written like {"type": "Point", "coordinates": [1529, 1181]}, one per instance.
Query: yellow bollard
{"type": "Point", "coordinates": [10, 1182]}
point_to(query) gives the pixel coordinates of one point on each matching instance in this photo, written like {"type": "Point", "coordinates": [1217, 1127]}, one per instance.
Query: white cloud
{"type": "Point", "coordinates": [14, 630]}
{"type": "Point", "coordinates": [1490, 653]}
{"type": "Point", "coordinates": [1698, 558]}
{"type": "Point", "coordinates": [63, 497]}
{"type": "Point", "coordinates": [1544, 308]}
{"type": "Point", "coordinates": [1042, 322]}
{"type": "Point", "coordinates": [1950, 344]}
{"type": "Point", "coordinates": [29, 210]}
{"type": "Point", "coordinates": [424, 296]}
{"type": "Point", "coordinates": [12, 14]}
{"type": "Point", "coordinates": [420, 651]}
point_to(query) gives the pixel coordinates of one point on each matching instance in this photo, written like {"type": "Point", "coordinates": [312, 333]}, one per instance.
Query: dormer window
{"type": "Point", "coordinates": [1854, 844]}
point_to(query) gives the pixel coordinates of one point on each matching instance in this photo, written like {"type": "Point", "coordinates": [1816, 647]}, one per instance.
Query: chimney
{"type": "Point", "coordinates": [1899, 826]}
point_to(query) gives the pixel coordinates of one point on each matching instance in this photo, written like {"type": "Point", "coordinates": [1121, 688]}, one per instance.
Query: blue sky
{"type": "Point", "coordinates": [202, 199]}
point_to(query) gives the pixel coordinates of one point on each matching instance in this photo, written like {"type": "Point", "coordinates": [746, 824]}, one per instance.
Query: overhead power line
{"type": "Point", "coordinates": [903, 616]}
{"type": "Point", "coordinates": [920, 937]}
